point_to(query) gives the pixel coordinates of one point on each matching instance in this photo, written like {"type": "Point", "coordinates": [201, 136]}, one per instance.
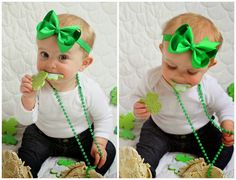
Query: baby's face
{"type": "Point", "coordinates": [177, 68]}
{"type": "Point", "coordinates": [51, 60]}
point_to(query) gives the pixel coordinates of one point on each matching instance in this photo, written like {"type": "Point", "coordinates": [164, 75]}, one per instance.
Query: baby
{"type": "Point", "coordinates": [69, 116]}
{"type": "Point", "coordinates": [187, 94]}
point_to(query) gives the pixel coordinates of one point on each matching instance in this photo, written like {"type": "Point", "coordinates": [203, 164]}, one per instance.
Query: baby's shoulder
{"type": "Point", "coordinates": [153, 75]}
{"type": "Point", "coordinates": [208, 80]}
{"type": "Point", "coordinates": [88, 82]}
{"type": "Point", "coordinates": [209, 83]}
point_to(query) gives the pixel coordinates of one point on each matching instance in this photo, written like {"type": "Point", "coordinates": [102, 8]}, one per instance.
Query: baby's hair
{"type": "Point", "coordinates": [201, 27]}
{"type": "Point", "coordinates": [87, 33]}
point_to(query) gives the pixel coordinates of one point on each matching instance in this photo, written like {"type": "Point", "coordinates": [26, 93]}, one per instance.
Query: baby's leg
{"type": "Point", "coordinates": [152, 145]}
{"type": "Point", "coordinates": [212, 140]}
{"type": "Point", "coordinates": [87, 140]}
{"type": "Point", "coordinates": [35, 148]}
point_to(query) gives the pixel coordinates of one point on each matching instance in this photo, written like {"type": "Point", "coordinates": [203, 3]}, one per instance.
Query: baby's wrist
{"type": "Point", "coordinates": [28, 102]}
{"type": "Point", "coordinates": [101, 141]}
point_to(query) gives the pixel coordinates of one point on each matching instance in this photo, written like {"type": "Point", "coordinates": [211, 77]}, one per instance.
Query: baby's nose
{"type": "Point", "coordinates": [51, 64]}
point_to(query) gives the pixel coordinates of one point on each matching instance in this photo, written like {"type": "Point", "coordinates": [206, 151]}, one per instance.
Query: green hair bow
{"type": "Point", "coordinates": [66, 36]}
{"type": "Point", "coordinates": [182, 41]}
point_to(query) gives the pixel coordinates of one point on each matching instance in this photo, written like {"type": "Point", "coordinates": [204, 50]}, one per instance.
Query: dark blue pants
{"type": "Point", "coordinates": [154, 143]}
{"type": "Point", "coordinates": [36, 147]}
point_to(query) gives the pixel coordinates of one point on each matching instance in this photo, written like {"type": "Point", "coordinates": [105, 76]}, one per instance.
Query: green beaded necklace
{"type": "Point", "coordinates": [82, 100]}
{"type": "Point", "coordinates": [200, 94]}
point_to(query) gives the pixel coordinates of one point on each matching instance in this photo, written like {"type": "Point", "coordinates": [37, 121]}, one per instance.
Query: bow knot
{"type": "Point", "coordinates": [57, 30]}
{"type": "Point", "coordinates": [182, 41]}
{"type": "Point", "coordinates": [192, 47]}
{"type": "Point", "coordinates": [66, 36]}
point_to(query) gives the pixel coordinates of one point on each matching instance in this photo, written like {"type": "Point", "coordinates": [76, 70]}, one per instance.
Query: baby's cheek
{"type": "Point", "coordinates": [166, 72]}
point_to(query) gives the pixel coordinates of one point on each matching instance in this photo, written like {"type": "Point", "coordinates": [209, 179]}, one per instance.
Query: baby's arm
{"type": "Point", "coordinates": [26, 110]}
{"type": "Point", "coordinates": [28, 97]}
{"type": "Point", "coordinates": [219, 102]}
{"type": "Point", "coordinates": [102, 143]}
{"type": "Point", "coordinates": [148, 82]}
{"type": "Point", "coordinates": [228, 139]}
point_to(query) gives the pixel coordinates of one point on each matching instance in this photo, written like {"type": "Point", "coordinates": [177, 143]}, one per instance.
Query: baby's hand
{"type": "Point", "coordinates": [26, 87]}
{"type": "Point", "coordinates": [140, 111]}
{"type": "Point", "coordinates": [29, 95]}
{"type": "Point", "coordinates": [99, 161]}
{"type": "Point", "coordinates": [228, 139]}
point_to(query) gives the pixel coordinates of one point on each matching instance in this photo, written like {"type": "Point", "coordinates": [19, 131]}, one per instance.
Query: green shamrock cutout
{"type": "Point", "coordinates": [113, 96]}
{"type": "Point", "coordinates": [9, 139]}
{"type": "Point", "coordinates": [176, 166]}
{"type": "Point", "coordinates": [152, 103]}
{"type": "Point", "coordinates": [183, 157]}
{"type": "Point", "coordinates": [65, 162]}
{"type": "Point", "coordinates": [115, 130]}
{"type": "Point", "coordinates": [54, 77]}
{"type": "Point", "coordinates": [127, 121]}
{"type": "Point", "coordinates": [38, 80]}
{"type": "Point", "coordinates": [230, 90]}
{"type": "Point", "coordinates": [127, 134]}
{"type": "Point", "coordinates": [9, 126]}
{"type": "Point", "coordinates": [55, 172]}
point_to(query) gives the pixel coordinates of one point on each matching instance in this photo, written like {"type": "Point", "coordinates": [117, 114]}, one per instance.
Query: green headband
{"type": "Point", "coordinates": [182, 41]}
{"type": "Point", "coordinates": [66, 36]}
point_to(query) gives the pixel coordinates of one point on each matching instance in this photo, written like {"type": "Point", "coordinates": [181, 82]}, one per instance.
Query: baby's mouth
{"type": "Point", "coordinates": [54, 76]}
{"type": "Point", "coordinates": [180, 87]}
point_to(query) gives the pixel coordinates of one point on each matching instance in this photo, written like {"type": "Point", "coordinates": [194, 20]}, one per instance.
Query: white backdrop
{"type": "Point", "coordinates": [140, 34]}
{"type": "Point", "coordinates": [19, 44]}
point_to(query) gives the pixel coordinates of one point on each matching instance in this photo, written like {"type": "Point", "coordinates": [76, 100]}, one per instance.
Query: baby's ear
{"type": "Point", "coordinates": [86, 62]}
{"type": "Point", "coordinates": [161, 47]}
{"type": "Point", "coordinates": [213, 62]}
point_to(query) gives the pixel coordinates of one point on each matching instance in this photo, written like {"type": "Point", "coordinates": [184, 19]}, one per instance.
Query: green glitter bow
{"type": "Point", "coordinates": [182, 41]}
{"type": "Point", "coordinates": [66, 36]}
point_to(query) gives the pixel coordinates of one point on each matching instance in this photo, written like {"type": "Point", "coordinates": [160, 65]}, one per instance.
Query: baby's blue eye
{"type": "Point", "coordinates": [63, 57]}
{"type": "Point", "coordinates": [44, 55]}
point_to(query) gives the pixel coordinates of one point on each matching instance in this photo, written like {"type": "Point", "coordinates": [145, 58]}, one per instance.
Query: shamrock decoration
{"type": "Point", "coordinates": [65, 162]}
{"type": "Point", "coordinates": [38, 80]}
{"type": "Point", "coordinates": [183, 157]}
{"type": "Point", "coordinates": [115, 130]}
{"type": "Point", "coordinates": [113, 96]}
{"type": "Point", "coordinates": [176, 166]}
{"type": "Point", "coordinates": [9, 130]}
{"type": "Point", "coordinates": [55, 172]}
{"type": "Point", "coordinates": [9, 126]}
{"type": "Point", "coordinates": [9, 139]}
{"type": "Point", "coordinates": [230, 90]}
{"type": "Point", "coordinates": [127, 134]}
{"type": "Point", "coordinates": [127, 121]}
{"type": "Point", "coordinates": [152, 103]}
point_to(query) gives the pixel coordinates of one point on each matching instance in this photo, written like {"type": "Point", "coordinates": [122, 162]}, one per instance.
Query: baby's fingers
{"type": "Point", "coordinates": [139, 105]}
{"type": "Point", "coordinates": [97, 158]}
{"type": "Point", "coordinates": [102, 161]}
{"type": "Point", "coordinates": [141, 111]}
{"type": "Point", "coordinates": [26, 78]}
